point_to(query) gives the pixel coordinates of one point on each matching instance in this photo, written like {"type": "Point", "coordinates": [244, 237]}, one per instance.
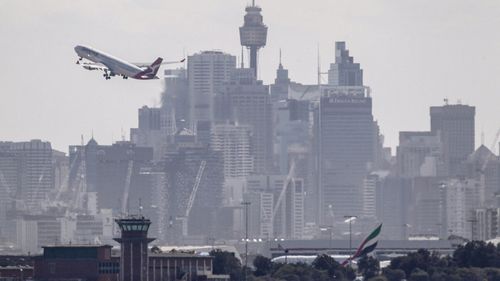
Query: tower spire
{"type": "Point", "coordinates": [253, 33]}
{"type": "Point", "coordinates": [280, 58]}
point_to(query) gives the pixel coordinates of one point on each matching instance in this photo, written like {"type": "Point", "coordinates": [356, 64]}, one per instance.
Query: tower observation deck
{"type": "Point", "coordinates": [253, 33]}
{"type": "Point", "coordinates": [134, 262]}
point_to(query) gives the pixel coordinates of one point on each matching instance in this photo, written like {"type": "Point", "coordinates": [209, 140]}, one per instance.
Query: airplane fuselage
{"type": "Point", "coordinates": [114, 65]}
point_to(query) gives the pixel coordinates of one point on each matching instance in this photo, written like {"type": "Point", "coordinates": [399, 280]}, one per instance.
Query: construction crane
{"type": "Point", "coordinates": [192, 197]}
{"type": "Point", "coordinates": [286, 183]}
{"type": "Point", "coordinates": [485, 165]}
{"type": "Point", "coordinates": [126, 189]}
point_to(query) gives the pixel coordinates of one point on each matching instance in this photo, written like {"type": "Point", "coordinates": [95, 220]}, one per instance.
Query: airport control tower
{"type": "Point", "coordinates": [134, 248]}
{"type": "Point", "coordinates": [253, 33]}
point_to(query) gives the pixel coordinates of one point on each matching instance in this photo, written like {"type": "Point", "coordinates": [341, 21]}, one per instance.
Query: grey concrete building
{"type": "Point", "coordinates": [207, 72]}
{"type": "Point", "coordinates": [26, 172]}
{"type": "Point", "coordinates": [245, 100]}
{"type": "Point", "coordinates": [114, 173]}
{"type": "Point", "coordinates": [455, 122]}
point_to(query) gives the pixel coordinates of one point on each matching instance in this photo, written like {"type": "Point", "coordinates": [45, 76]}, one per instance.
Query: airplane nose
{"type": "Point", "coordinates": [78, 49]}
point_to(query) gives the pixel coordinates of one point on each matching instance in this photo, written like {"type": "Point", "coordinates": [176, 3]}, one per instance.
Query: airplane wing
{"type": "Point", "coordinates": [141, 64]}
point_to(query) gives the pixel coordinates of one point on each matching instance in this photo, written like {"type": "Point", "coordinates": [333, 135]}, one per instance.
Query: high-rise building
{"type": "Point", "coordinates": [419, 154]}
{"type": "Point", "coordinates": [346, 138]}
{"type": "Point", "coordinates": [189, 193]}
{"type": "Point", "coordinates": [207, 72]}
{"type": "Point", "coordinates": [484, 167]}
{"type": "Point", "coordinates": [175, 97]}
{"type": "Point", "coordinates": [279, 90]}
{"type": "Point", "coordinates": [234, 142]}
{"type": "Point", "coordinates": [155, 125]}
{"type": "Point", "coordinates": [114, 173]}
{"type": "Point", "coordinates": [344, 72]}
{"type": "Point", "coordinates": [277, 211]}
{"type": "Point", "coordinates": [346, 144]}
{"type": "Point", "coordinates": [245, 100]}
{"type": "Point", "coordinates": [27, 171]}
{"type": "Point", "coordinates": [253, 33]}
{"type": "Point", "coordinates": [455, 122]}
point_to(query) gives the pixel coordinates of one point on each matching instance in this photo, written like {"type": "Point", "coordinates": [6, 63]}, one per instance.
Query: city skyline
{"type": "Point", "coordinates": [46, 96]}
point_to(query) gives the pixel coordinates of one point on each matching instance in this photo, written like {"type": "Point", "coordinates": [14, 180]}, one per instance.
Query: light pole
{"type": "Point", "coordinates": [349, 219]}
{"type": "Point", "coordinates": [246, 204]}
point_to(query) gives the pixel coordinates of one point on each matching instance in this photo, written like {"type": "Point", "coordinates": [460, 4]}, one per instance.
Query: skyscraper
{"type": "Point", "coordinates": [246, 101]}
{"type": "Point", "coordinates": [207, 71]}
{"type": "Point", "coordinates": [234, 142]}
{"type": "Point", "coordinates": [346, 139]}
{"type": "Point", "coordinates": [344, 72]}
{"type": "Point", "coordinates": [455, 122]}
{"type": "Point", "coordinates": [113, 172]}
{"type": "Point", "coordinates": [253, 33]}
{"type": "Point", "coordinates": [419, 154]}
{"type": "Point", "coordinates": [27, 171]}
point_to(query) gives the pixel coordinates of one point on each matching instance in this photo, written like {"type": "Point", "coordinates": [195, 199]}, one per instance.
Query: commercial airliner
{"type": "Point", "coordinates": [112, 66]}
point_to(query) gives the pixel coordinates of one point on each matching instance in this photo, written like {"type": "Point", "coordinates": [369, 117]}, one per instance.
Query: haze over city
{"type": "Point", "coordinates": [414, 55]}
{"type": "Point", "coordinates": [253, 140]}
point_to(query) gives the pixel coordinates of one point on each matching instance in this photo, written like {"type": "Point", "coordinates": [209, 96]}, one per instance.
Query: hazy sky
{"type": "Point", "coordinates": [413, 53]}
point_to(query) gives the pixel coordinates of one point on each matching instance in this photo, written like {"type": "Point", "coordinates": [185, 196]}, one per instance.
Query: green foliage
{"type": "Point", "coordinates": [368, 267]}
{"type": "Point", "coordinates": [262, 265]}
{"type": "Point", "coordinates": [477, 254]}
{"type": "Point", "coordinates": [325, 262]}
{"type": "Point", "coordinates": [419, 275]}
{"type": "Point", "coordinates": [378, 278]}
{"type": "Point", "coordinates": [226, 263]}
{"type": "Point", "coordinates": [394, 274]}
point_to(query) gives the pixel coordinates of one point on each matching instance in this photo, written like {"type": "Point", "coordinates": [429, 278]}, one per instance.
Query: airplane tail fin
{"type": "Point", "coordinates": [156, 65]}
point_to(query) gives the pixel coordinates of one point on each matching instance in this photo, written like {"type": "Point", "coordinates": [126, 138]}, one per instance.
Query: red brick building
{"type": "Point", "coordinates": [82, 262]}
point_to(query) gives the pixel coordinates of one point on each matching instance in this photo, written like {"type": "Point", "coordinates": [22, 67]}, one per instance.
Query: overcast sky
{"type": "Point", "coordinates": [413, 53]}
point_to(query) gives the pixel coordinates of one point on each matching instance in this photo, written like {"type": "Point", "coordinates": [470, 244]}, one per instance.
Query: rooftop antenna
{"type": "Point", "coordinates": [319, 68]}
{"type": "Point", "coordinates": [280, 57]}
{"type": "Point", "coordinates": [482, 136]}
{"type": "Point", "coordinates": [140, 207]}
{"type": "Point", "coordinates": [81, 140]}
{"type": "Point", "coordinates": [253, 3]}
{"type": "Point", "coordinates": [184, 56]}
{"type": "Point", "coordinates": [445, 101]}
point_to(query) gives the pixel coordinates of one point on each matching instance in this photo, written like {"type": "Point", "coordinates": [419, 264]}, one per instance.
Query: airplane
{"type": "Point", "coordinates": [112, 66]}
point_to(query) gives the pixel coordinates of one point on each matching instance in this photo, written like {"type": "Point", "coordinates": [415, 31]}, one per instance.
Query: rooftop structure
{"type": "Point", "coordinates": [253, 33]}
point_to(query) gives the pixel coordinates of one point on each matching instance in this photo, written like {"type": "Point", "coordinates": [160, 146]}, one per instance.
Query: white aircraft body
{"type": "Point", "coordinates": [97, 60]}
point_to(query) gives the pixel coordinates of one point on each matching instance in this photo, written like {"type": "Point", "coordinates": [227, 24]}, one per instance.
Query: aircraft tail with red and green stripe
{"type": "Point", "coordinates": [368, 245]}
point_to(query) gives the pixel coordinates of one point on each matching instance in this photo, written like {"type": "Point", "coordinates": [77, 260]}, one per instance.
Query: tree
{"type": "Point", "coordinates": [368, 266]}
{"type": "Point", "coordinates": [394, 274]}
{"type": "Point", "coordinates": [226, 263]}
{"type": "Point", "coordinates": [325, 262]}
{"type": "Point", "coordinates": [477, 254]}
{"type": "Point", "coordinates": [419, 275]}
{"type": "Point", "coordinates": [262, 265]}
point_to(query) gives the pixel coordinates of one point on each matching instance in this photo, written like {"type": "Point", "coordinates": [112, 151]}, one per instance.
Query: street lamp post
{"type": "Point", "coordinates": [246, 204]}
{"type": "Point", "coordinates": [349, 219]}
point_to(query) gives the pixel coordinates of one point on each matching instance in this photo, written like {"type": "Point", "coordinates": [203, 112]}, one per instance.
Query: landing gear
{"type": "Point", "coordinates": [125, 77]}
{"type": "Point", "coordinates": [105, 75]}
{"type": "Point", "coordinates": [78, 61]}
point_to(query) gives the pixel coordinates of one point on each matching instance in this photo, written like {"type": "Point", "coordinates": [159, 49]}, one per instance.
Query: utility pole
{"type": "Point", "coordinates": [246, 204]}
{"type": "Point", "coordinates": [349, 219]}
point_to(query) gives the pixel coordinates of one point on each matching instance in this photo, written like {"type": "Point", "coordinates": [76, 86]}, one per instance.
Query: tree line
{"type": "Point", "coordinates": [474, 261]}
